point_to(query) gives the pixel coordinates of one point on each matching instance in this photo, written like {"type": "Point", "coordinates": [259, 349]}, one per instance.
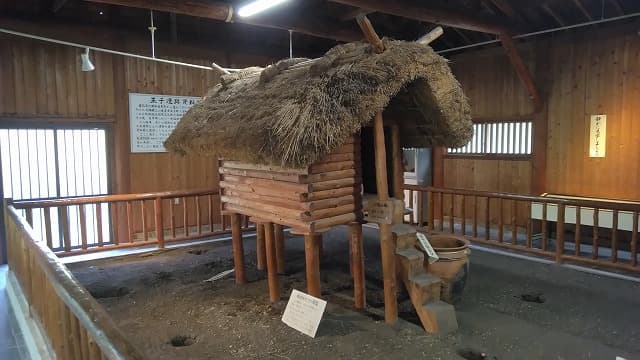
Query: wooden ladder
{"type": "Point", "coordinates": [424, 289]}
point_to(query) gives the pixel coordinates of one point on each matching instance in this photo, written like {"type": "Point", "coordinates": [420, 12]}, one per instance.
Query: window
{"type": "Point", "coordinates": [45, 163]}
{"type": "Point", "coordinates": [498, 138]}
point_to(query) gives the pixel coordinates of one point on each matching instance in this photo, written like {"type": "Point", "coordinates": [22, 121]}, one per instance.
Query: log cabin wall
{"type": "Point", "coordinates": [591, 72]}
{"type": "Point", "coordinates": [323, 195]}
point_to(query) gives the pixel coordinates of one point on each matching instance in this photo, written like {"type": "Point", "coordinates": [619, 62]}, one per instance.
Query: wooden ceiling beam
{"type": "Point", "coordinates": [582, 9]}
{"type": "Point", "coordinates": [221, 11]}
{"type": "Point", "coordinates": [354, 13]}
{"type": "Point", "coordinates": [434, 15]}
{"type": "Point", "coordinates": [522, 70]}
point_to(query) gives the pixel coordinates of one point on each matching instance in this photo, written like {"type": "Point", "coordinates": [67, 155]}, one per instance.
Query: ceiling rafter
{"type": "Point", "coordinates": [582, 9]}
{"type": "Point", "coordinates": [440, 16]}
{"type": "Point", "coordinates": [553, 14]}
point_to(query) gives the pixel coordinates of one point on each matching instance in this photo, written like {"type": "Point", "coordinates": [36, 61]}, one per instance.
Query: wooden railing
{"type": "Point", "coordinates": [95, 223]}
{"type": "Point", "coordinates": [605, 233]}
{"type": "Point", "coordinates": [76, 326]}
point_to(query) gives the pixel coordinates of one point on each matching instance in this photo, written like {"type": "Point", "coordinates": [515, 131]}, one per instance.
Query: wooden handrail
{"type": "Point", "coordinates": [89, 313]}
{"type": "Point", "coordinates": [518, 197]}
{"type": "Point", "coordinates": [25, 204]}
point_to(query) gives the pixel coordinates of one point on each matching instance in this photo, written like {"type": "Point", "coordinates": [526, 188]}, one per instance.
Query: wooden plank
{"type": "Point", "coordinates": [326, 176]}
{"type": "Point", "coordinates": [257, 167]}
{"type": "Point", "coordinates": [312, 263]}
{"type": "Point", "coordinates": [331, 158]}
{"type": "Point", "coordinates": [614, 237]}
{"type": "Point", "coordinates": [262, 191]}
{"type": "Point", "coordinates": [276, 210]}
{"type": "Point", "coordinates": [560, 233]}
{"type": "Point", "coordinates": [332, 184]}
{"type": "Point", "coordinates": [325, 223]}
{"type": "Point", "coordinates": [577, 239]}
{"type": "Point", "coordinates": [295, 223]}
{"type": "Point", "coordinates": [545, 235]}
{"type": "Point", "coordinates": [500, 220]}
{"type": "Point", "coordinates": [329, 203]}
{"type": "Point", "coordinates": [266, 199]}
{"type": "Point", "coordinates": [238, 250]}
{"type": "Point", "coordinates": [275, 185]}
{"type": "Point", "coordinates": [185, 216]}
{"type": "Point", "coordinates": [198, 215]}
{"type": "Point", "coordinates": [143, 219]}
{"type": "Point", "coordinates": [514, 222]}
{"type": "Point", "coordinates": [317, 168]}
{"type": "Point", "coordinates": [130, 221]}
{"type": "Point", "coordinates": [329, 212]}
{"type": "Point", "coordinates": [273, 176]}
{"type": "Point", "coordinates": [327, 194]}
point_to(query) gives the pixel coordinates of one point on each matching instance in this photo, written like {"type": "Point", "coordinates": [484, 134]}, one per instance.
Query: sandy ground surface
{"type": "Point", "coordinates": [159, 297]}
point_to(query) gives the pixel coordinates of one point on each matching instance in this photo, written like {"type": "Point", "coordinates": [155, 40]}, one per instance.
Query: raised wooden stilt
{"type": "Point", "coordinates": [272, 267]}
{"type": "Point", "coordinates": [238, 250]}
{"type": "Point", "coordinates": [312, 255]}
{"type": "Point", "coordinates": [279, 238]}
{"type": "Point", "coordinates": [261, 250]}
{"type": "Point", "coordinates": [357, 265]}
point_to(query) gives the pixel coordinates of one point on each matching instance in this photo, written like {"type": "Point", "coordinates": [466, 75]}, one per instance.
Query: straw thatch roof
{"type": "Point", "coordinates": [291, 115]}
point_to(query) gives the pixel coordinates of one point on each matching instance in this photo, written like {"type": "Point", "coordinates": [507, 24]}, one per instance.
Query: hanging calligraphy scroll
{"type": "Point", "coordinates": [153, 117]}
{"type": "Point", "coordinates": [598, 135]}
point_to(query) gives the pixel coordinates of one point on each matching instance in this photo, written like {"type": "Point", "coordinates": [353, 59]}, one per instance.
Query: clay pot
{"type": "Point", "coordinates": [452, 267]}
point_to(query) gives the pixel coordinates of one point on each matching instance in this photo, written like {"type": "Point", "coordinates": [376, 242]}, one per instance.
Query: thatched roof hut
{"type": "Point", "coordinates": [296, 112]}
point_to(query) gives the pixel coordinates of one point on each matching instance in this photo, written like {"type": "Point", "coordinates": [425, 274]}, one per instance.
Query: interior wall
{"type": "Point", "coordinates": [596, 71]}
{"type": "Point", "coordinates": [43, 83]}
{"type": "Point", "coordinates": [495, 92]}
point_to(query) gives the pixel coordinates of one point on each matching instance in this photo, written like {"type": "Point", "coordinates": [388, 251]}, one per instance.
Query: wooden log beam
{"type": "Point", "coordinates": [312, 261]}
{"type": "Point", "coordinates": [522, 70]}
{"type": "Point", "coordinates": [357, 265]}
{"type": "Point", "coordinates": [431, 14]}
{"type": "Point", "coordinates": [238, 251]}
{"type": "Point", "coordinates": [272, 264]}
{"type": "Point", "coordinates": [387, 246]}
{"type": "Point", "coordinates": [279, 238]}
{"type": "Point", "coordinates": [221, 11]}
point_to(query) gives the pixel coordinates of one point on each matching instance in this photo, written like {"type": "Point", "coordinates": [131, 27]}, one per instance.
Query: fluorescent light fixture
{"type": "Point", "coordinates": [86, 62]}
{"type": "Point", "coordinates": [258, 6]}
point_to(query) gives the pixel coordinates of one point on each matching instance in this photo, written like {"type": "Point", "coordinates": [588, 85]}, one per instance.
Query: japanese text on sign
{"type": "Point", "coordinates": [153, 117]}
{"type": "Point", "coordinates": [304, 312]}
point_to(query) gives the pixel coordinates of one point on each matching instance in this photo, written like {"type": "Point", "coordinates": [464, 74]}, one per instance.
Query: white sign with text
{"type": "Point", "coordinates": [153, 117]}
{"type": "Point", "coordinates": [304, 312]}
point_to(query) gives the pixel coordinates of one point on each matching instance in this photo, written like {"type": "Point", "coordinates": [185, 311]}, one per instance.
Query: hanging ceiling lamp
{"type": "Point", "coordinates": [86, 62]}
{"type": "Point", "coordinates": [257, 6]}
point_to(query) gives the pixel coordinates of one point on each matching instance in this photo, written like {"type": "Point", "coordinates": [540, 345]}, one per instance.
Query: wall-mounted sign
{"type": "Point", "coordinates": [153, 117]}
{"type": "Point", "coordinates": [379, 212]}
{"type": "Point", "coordinates": [598, 136]}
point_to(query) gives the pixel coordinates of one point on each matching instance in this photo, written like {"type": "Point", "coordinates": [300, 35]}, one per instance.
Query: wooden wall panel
{"type": "Point", "coordinates": [600, 76]}
{"type": "Point", "coordinates": [44, 81]}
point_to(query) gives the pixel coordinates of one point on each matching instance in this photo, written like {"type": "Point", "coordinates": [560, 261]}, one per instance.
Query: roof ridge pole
{"type": "Point", "coordinates": [387, 246]}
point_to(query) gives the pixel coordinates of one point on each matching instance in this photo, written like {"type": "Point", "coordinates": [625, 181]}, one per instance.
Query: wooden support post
{"type": "Point", "coordinates": [261, 250]}
{"type": "Point", "coordinates": [357, 265]}
{"type": "Point", "coordinates": [560, 233]}
{"type": "Point", "coordinates": [312, 257]}
{"type": "Point", "coordinates": [398, 168]}
{"type": "Point", "coordinates": [159, 223]}
{"type": "Point", "coordinates": [238, 251]}
{"type": "Point", "coordinates": [387, 245]}
{"type": "Point", "coordinates": [272, 267]}
{"type": "Point", "coordinates": [279, 238]}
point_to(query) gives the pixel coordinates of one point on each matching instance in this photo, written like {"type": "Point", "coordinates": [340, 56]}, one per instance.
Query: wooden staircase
{"type": "Point", "coordinates": [424, 289]}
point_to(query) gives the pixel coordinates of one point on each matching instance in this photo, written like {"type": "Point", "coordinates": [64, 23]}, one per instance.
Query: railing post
{"type": "Point", "coordinates": [560, 233]}
{"type": "Point", "coordinates": [431, 208]}
{"type": "Point", "coordinates": [159, 223]}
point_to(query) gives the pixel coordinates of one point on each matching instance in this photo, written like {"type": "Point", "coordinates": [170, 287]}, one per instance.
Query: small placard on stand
{"type": "Point", "coordinates": [432, 256]}
{"type": "Point", "coordinates": [304, 312]}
